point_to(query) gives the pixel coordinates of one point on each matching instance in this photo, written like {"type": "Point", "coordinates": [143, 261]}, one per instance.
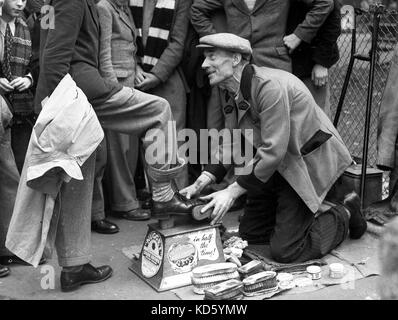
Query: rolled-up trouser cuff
{"type": "Point", "coordinates": [73, 262]}
{"type": "Point", "coordinates": [165, 175]}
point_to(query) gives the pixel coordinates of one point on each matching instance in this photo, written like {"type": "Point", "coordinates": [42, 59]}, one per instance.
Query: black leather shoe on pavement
{"type": "Point", "coordinates": [7, 260]}
{"type": "Point", "coordinates": [4, 271]}
{"type": "Point", "coordinates": [136, 215]}
{"type": "Point", "coordinates": [104, 226]}
{"type": "Point", "coordinates": [178, 205]}
{"type": "Point", "coordinates": [89, 274]}
{"type": "Point", "coordinates": [357, 224]}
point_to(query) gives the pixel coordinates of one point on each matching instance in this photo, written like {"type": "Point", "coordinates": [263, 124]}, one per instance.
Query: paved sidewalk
{"type": "Point", "coordinates": [26, 282]}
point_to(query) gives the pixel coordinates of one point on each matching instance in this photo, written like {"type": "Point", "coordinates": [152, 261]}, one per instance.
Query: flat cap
{"type": "Point", "coordinates": [226, 41]}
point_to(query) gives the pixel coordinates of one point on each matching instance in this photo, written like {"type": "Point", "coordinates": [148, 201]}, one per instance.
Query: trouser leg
{"type": "Point", "coordinates": [123, 153]}
{"type": "Point", "coordinates": [149, 117]}
{"type": "Point", "coordinates": [258, 220]}
{"type": "Point", "coordinates": [173, 91]}
{"type": "Point", "coordinates": [9, 178]}
{"type": "Point", "coordinates": [20, 136]}
{"type": "Point", "coordinates": [98, 206]}
{"type": "Point", "coordinates": [74, 201]}
{"type": "Point", "coordinates": [298, 235]}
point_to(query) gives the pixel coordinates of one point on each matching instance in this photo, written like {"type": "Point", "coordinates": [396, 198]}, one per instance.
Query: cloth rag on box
{"type": "Point", "coordinates": [66, 133]}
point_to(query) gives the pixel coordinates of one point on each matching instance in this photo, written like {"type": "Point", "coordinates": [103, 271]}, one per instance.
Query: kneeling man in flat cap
{"type": "Point", "coordinates": [299, 156]}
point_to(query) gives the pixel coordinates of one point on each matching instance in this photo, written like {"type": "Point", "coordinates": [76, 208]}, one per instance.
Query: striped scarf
{"type": "Point", "coordinates": [158, 34]}
{"type": "Point", "coordinates": [21, 53]}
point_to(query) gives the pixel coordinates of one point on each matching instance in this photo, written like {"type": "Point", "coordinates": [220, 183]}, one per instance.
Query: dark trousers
{"type": "Point", "coordinates": [277, 215]}
{"type": "Point", "coordinates": [21, 131]}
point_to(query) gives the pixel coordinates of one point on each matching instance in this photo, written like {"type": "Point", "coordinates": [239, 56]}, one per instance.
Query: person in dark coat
{"type": "Point", "coordinates": [312, 60]}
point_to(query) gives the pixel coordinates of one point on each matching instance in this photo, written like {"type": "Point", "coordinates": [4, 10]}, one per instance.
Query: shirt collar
{"type": "Point", "coordinates": [3, 25]}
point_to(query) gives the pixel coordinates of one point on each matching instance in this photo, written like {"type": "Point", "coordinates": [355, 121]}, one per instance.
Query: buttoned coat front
{"type": "Point", "coordinates": [264, 26]}
{"type": "Point", "coordinates": [117, 43]}
{"type": "Point", "coordinates": [290, 133]}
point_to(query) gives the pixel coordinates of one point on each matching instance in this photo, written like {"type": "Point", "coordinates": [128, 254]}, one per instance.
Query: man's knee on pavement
{"type": "Point", "coordinates": [281, 253]}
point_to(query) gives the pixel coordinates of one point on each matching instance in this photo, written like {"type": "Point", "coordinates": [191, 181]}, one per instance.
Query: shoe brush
{"type": "Point", "coordinates": [262, 281]}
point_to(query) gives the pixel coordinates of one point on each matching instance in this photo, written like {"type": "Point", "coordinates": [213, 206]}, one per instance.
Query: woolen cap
{"type": "Point", "coordinates": [226, 41]}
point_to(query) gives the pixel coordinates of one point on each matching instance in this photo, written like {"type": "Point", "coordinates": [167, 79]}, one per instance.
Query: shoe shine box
{"type": "Point", "coordinates": [351, 181]}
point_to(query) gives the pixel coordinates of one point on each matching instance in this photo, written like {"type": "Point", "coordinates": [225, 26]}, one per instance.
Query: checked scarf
{"type": "Point", "coordinates": [16, 62]}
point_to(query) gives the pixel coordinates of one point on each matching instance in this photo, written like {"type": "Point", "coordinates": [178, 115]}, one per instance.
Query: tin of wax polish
{"type": "Point", "coordinates": [315, 272]}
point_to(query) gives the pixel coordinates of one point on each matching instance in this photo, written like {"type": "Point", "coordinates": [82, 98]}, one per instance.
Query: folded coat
{"type": "Point", "coordinates": [66, 133]}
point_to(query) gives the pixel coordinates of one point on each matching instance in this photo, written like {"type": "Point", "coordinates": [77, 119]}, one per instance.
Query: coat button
{"type": "Point", "coordinates": [243, 106]}
{"type": "Point", "coordinates": [228, 109]}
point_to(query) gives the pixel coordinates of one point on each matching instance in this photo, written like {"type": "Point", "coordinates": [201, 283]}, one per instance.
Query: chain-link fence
{"type": "Point", "coordinates": [352, 118]}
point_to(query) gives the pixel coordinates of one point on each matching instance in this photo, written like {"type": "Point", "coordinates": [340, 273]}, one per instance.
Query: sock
{"type": "Point", "coordinates": [73, 269]}
{"type": "Point", "coordinates": [162, 191]}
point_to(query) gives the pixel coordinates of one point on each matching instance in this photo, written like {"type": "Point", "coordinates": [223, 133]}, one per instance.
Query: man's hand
{"type": "Point", "coordinates": [150, 81]}
{"type": "Point", "coordinates": [319, 75]}
{"type": "Point", "coordinates": [222, 201]}
{"type": "Point", "coordinates": [195, 188]}
{"type": "Point", "coordinates": [21, 83]}
{"type": "Point", "coordinates": [5, 86]}
{"type": "Point", "coordinates": [291, 42]}
{"type": "Point", "coordinates": [139, 75]}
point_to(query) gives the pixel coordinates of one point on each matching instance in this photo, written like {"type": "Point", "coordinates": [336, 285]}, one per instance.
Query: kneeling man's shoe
{"type": "Point", "coordinates": [89, 274]}
{"type": "Point", "coordinates": [178, 205]}
{"type": "Point", "coordinates": [4, 271]}
{"type": "Point", "coordinates": [357, 224]}
{"type": "Point", "coordinates": [104, 226]}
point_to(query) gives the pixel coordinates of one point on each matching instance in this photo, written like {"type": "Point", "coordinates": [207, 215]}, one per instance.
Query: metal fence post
{"type": "Point", "coordinates": [373, 55]}
{"type": "Point", "coordinates": [349, 71]}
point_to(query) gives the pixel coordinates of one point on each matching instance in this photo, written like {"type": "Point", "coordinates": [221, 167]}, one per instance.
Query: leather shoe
{"type": "Point", "coordinates": [89, 274]}
{"type": "Point", "coordinates": [7, 260]}
{"type": "Point", "coordinates": [357, 223]}
{"type": "Point", "coordinates": [178, 205]}
{"type": "Point", "coordinates": [4, 271]}
{"type": "Point", "coordinates": [147, 204]}
{"type": "Point", "coordinates": [136, 215]}
{"type": "Point", "coordinates": [104, 226]}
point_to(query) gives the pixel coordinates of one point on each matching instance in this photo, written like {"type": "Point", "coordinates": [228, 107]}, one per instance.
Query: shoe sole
{"type": "Point", "coordinates": [77, 286]}
{"type": "Point", "coordinates": [170, 214]}
{"type": "Point", "coordinates": [100, 232]}
{"type": "Point", "coordinates": [136, 219]}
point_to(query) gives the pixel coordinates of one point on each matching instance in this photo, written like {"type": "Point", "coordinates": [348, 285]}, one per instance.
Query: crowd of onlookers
{"type": "Point", "coordinates": [149, 45]}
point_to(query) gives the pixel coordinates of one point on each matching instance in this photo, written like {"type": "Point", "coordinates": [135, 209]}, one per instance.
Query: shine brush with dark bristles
{"type": "Point", "coordinates": [265, 280]}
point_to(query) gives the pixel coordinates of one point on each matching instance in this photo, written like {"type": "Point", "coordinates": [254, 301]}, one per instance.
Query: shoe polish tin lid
{"type": "Point", "coordinates": [337, 270]}
{"type": "Point", "coordinates": [315, 272]}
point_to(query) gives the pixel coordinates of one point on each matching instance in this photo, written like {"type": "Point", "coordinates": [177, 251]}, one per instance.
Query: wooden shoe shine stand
{"type": "Point", "coordinates": [172, 248]}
